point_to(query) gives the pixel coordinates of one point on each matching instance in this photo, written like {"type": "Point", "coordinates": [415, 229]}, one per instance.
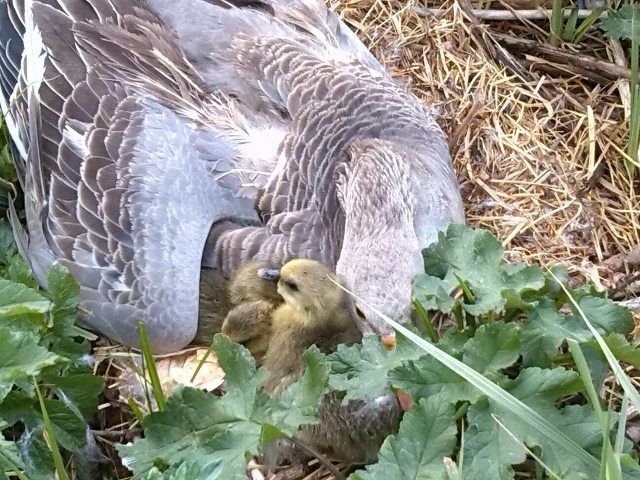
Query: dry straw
{"type": "Point", "coordinates": [537, 143]}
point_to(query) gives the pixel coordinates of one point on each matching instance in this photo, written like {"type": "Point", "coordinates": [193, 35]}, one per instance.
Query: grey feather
{"type": "Point", "coordinates": [145, 133]}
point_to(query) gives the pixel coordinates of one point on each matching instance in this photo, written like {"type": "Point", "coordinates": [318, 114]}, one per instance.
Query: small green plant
{"type": "Point", "coordinates": [570, 31]}
{"type": "Point", "coordinates": [48, 392]}
{"type": "Point", "coordinates": [517, 377]}
{"type": "Point", "coordinates": [624, 24]}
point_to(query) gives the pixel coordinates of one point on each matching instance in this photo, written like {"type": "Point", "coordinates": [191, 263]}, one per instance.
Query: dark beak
{"type": "Point", "coordinates": [271, 274]}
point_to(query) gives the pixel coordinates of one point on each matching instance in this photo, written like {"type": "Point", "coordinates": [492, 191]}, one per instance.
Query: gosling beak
{"type": "Point", "coordinates": [270, 274]}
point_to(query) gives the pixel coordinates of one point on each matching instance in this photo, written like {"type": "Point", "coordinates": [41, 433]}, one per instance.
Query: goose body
{"type": "Point", "coordinates": [156, 138]}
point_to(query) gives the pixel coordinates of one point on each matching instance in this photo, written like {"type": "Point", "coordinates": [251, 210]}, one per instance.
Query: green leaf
{"type": "Point", "coordinates": [545, 330]}
{"type": "Point", "coordinates": [35, 454]}
{"type": "Point", "coordinates": [69, 429]}
{"type": "Point", "coordinates": [298, 404]}
{"type": "Point", "coordinates": [427, 434]}
{"type": "Point", "coordinates": [475, 256]}
{"type": "Point", "coordinates": [190, 470]}
{"type": "Point", "coordinates": [624, 23]}
{"type": "Point", "coordinates": [494, 347]}
{"type": "Point", "coordinates": [361, 369]}
{"type": "Point", "coordinates": [8, 449]}
{"type": "Point", "coordinates": [427, 377]}
{"type": "Point", "coordinates": [21, 356]}
{"type": "Point", "coordinates": [606, 316]}
{"type": "Point", "coordinates": [489, 451]}
{"type": "Point", "coordinates": [623, 350]}
{"type": "Point", "coordinates": [225, 429]}
{"type": "Point", "coordinates": [79, 392]}
{"type": "Point", "coordinates": [17, 299]}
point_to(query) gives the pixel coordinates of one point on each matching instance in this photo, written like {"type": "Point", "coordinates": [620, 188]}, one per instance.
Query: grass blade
{"type": "Point", "coordinates": [621, 377]}
{"type": "Point", "coordinates": [586, 24]}
{"type": "Point", "coordinates": [426, 322]}
{"type": "Point", "coordinates": [53, 444]}
{"type": "Point", "coordinates": [557, 19]}
{"type": "Point", "coordinates": [147, 355]}
{"type": "Point", "coordinates": [9, 465]}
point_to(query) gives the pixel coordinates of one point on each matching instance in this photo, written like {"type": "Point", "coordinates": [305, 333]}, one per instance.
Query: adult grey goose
{"type": "Point", "coordinates": [154, 139]}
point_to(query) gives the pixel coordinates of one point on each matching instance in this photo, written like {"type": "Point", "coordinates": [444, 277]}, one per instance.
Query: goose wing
{"type": "Point", "coordinates": [122, 179]}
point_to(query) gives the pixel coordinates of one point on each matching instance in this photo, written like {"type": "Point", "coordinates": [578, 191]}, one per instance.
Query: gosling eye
{"type": "Point", "coordinates": [360, 314]}
{"type": "Point", "coordinates": [291, 285]}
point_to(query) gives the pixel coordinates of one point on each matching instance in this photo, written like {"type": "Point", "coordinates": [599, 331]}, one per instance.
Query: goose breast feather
{"type": "Point", "coordinates": [153, 120]}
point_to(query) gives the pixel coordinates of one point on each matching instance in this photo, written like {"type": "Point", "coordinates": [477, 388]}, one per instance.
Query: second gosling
{"type": "Point", "coordinates": [253, 292]}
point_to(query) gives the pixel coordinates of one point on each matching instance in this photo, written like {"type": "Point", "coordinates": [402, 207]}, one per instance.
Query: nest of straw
{"type": "Point", "coordinates": [538, 143]}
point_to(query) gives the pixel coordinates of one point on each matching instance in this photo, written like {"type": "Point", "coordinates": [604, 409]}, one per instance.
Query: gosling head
{"type": "Point", "coordinates": [308, 287]}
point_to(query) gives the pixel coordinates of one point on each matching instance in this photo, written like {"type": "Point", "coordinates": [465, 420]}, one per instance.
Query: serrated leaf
{"type": "Point", "coordinates": [225, 429]}
{"type": "Point", "coordinates": [361, 369]}
{"type": "Point", "coordinates": [78, 392]}
{"type": "Point", "coordinates": [489, 451]}
{"type": "Point", "coordinates": [540, 388]}
{"type": "Point", "coordinates": [427, 377]}
{"type": "Point", "coordinates": [190, 470]}
{"type": "Point", "coordinates": [17, 299]}
{"type": "Point", "coordinates": [35, 454]}
{"type": "Point", "coordinates": [623, 23]}
{"type": "Point", "coordinates": [21, 356]}
{"type": "Point", "coordinates": [545, 330]}
{"type": "Point", "coordinates": [298, 404]}
{"type": "Point", "coordinates": [453, 342]}
{"type": "Point", "coordinates": [475, 256]}
{"type": "Point", "coordinates": [606, 316]}
{"type": "Point", "coordinates": [427, 434]}
{"type": "Point", "coordinates": [69, 429]}
{"type": "Point", "coordinates": [495, 346]}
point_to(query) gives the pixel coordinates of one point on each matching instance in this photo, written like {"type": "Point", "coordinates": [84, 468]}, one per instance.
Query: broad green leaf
{"type": "Point", "coordinates": [79, 392]}
{"type": "Point", "coordinates": [624, 23]}
{"type": "Point", "coordinates": [623, 350]}
{"type": "Point", "coordinates": [69, 429]}
{"type": "Point", "coordinates": [298, 404]}
{"type": "Point", "coordinates": [361, 369]}
{"type": "Point", "coordinates": [427, 434]}
{"type": "Point", "coordinates": [495, 346]}
{"type": "Point", "coordinates": [191, 470]}
{"type": "Point", "coordinates": [489, 451]}
{"type": "Point", "coordinates": [540, 388]}
{"type": "Point", "coordinates": [545, 330]}
{"type": "Point", "coordinates": [225, 429]}
{"type": "Point", "coordinates": [35, 454]}
{"type": "Point", "coordinates": [195, 424]}
{"type": "Point", "coordinates": [606, 316]}
{"type": "Point", "coordinates": [476, 257]}
{"type": "Point", "coordinates": [453, 342]}
{"type": "Point", "coordinates": [63, 291]}
{"type": "Point", "coordinates": [17, 299]}
{"type": "Point", "coordinates": [21, 356]}
{"type": "Point", "coordinates": [427, 377]}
